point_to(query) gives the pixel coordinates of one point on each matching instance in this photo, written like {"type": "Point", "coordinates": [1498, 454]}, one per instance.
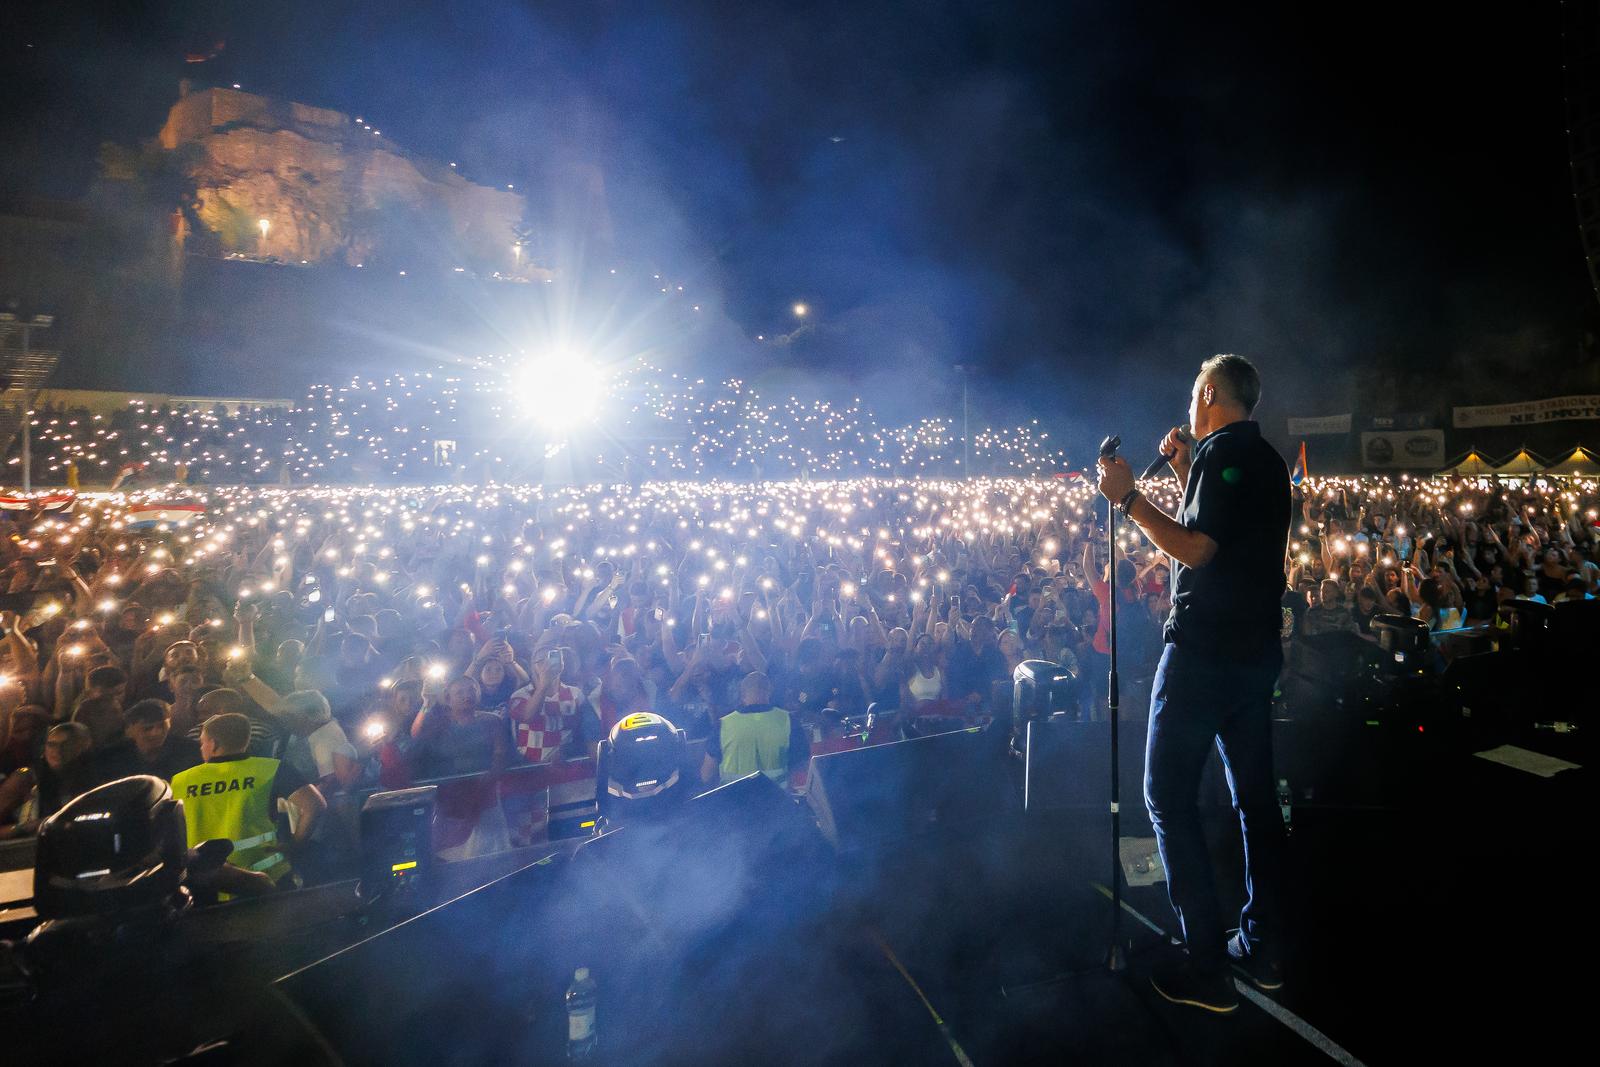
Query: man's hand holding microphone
{"type": "Point", "coordinates": [1178, 450]}
{"type": "Point", "coordinates": [1116, 477]}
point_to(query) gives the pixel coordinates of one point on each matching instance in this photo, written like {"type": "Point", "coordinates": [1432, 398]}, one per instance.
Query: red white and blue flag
{"type": "Point", "coordinates": [1300, 472]}
{"type": "Point", "coordinates": [53, 502]}
{"type": "Point", "coordinates": [143, 516]}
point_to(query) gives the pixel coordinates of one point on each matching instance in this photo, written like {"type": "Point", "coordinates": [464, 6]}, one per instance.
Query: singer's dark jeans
{"type": "Point", "coordinates": [1199, 700]}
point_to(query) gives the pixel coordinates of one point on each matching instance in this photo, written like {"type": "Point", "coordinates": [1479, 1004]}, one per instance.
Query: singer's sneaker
{"type": "Point", "coordinates": [1182, 983]}
{"type": "Point", "coordinates": [1264, 971]}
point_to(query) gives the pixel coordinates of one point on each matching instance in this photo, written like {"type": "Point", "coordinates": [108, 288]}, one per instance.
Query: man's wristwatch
{"type": "Point", "coordinates": [1127, 502]}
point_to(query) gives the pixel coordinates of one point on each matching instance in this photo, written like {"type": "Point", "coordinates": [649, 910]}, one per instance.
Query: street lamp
{"type": "Point", "coordinates": [801, 311]}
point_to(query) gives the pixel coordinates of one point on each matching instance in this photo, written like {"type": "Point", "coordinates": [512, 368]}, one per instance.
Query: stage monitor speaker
{"type": "Point", "coordinates": [868, 796]}
{"type": "Point", "coordinates": [753, 806]}
{"type": "Point", "coordinates": [453, 984]}
{"type": "Point", "coordinates": [1067, 765]}
{"type": "Point", "coordinates": [1405, 642]}
{"type": "Point", "coordinates": [741, 856]}
{"type": "Point", "coordinates": [1575, 629]}
{"type": "Point", "coordinates": [397, 842]}
{"type": "Point", "coordinates": [1528, 625]}
{"type": "Point", "coordinates": [749, 821]}
{"type": "Point", "coordinates": [574, 810]}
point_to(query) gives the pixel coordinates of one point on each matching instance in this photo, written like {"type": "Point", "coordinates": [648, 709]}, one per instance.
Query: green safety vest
{"type": "Point", "coordinates": [755, 741]}
{"type": "Point", "coordinates": [233, 799]}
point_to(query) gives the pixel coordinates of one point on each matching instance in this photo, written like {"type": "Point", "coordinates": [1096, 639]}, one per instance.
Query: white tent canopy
{"type": "Point", "coordinates": [1468, 466]}
{"type": "Point", "coordinates": [1579, 463]}
{"type": "Point", "coordinates": [1523, 464]}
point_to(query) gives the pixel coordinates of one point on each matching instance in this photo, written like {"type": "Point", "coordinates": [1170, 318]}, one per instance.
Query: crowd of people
{"type": "Point", "coordinates": [373, 638]}
{"type": "Point", "coordinates": [470, 426]}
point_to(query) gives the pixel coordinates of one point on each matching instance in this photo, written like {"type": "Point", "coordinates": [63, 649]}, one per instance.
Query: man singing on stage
{"type": "Point", "coordinates": [1217, 672]}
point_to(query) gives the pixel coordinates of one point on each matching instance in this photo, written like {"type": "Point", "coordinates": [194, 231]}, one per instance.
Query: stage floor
{"type": "Point", "coordinates": [1444, 930]}
{"type": "Point", "coordinates": [1448, 932]}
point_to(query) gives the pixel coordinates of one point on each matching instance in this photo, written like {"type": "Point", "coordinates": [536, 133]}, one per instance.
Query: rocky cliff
{"type": "Point", "coordinates": [331, 190]}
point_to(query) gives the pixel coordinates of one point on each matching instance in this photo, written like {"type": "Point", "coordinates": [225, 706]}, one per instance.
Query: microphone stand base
{"type": "Point", "coordinates": [1117, 957]}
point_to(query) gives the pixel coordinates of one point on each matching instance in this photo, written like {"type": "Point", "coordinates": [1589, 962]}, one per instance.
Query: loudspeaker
{"type": "Point", "coordinates": [748, 823]}
{"type": "Point", "coordinates": [754, 812]}
{"type": "Point", "coordinates": [1528, 626]}
{"type": "Point", "coordinates": [574, 810]}
{"type": "Point", "coordinates": [397, 842]}
{"type": "Point", "coordinates": [1067, 765]}
{"type": "Point", "coordinates": [1574, 631]}
{"type": "Point", "coordinates": [867, 796]}
{"type": "Point", "coordinates": [1067, 769]}
{"type": "Point", "coordinates": [675, 895]}
{"type": "Point", "coordinates": [456, 983]}
{"type": "Point", "coordinates": [1404, 640]}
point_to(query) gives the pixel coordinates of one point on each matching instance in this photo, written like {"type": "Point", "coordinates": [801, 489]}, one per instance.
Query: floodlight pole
{"type": "Point", "coordinates": [27, 401]}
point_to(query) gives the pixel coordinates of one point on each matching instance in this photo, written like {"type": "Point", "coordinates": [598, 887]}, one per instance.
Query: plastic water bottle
{"type": "Point", "coordinates": [582, 1039]}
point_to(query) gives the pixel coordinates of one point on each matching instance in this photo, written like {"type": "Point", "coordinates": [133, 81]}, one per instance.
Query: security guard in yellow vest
{"type": "Point", "coordinates": [755, 736]}
{"type": "Point", "coordinates": [235, 795]}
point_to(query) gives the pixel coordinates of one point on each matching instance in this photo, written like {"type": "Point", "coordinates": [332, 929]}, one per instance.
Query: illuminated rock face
{"type": "Point", "coordinates": [331, 191]}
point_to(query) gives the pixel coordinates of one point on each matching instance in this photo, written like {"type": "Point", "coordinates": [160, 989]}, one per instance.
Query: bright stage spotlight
{"type": "Point", "coordinates": [559, 390]}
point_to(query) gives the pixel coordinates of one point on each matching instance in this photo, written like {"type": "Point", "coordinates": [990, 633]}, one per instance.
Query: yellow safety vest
{"type": "Point", "coordinates": [232, 798]}
{"type": "Point", "coordinates": [754, 741]}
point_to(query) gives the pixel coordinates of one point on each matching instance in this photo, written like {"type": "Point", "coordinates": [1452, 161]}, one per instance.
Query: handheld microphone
{"type": "Point", "coordinates": [1162, 459]}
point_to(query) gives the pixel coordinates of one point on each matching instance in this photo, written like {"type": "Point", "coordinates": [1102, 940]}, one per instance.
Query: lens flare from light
{"type": "Point", "coordinates": [558, 390]}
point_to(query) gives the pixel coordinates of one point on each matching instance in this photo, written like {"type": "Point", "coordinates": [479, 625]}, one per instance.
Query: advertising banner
{"type": "Point", "coordinates": [1322, 424]}
{"type": "Point", "coordinates": [1412, 450]}
{"type": "Point", "coordinates": [1530, 412]}
{"type": "Point", "coordinates": [1401, 420]}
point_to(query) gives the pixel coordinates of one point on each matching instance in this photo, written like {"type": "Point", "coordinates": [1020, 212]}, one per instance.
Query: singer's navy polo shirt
{"type": "Point", "coordinates": [1238, 495]}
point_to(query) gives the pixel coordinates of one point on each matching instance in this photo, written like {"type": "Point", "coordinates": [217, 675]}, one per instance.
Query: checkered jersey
{"type": "Point", "coordinates": [540, 732]}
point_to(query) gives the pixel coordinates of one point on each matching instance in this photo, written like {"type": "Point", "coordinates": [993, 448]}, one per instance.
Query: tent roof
{"type": "Point", "coordinates": [1524, 462]}
{"type": "Point", "coordinates": [1580, 461]}
{"type": "Point", "coordinates": [1469, 464]}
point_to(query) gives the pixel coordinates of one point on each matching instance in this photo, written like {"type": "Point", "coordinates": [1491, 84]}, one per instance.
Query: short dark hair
{"type": "Point", "coordinates": [107, 677]}
{"type": "Point", "coordinates": [230, 731]}
{"type": "Point", "coordinates": [1237, 377]}
{"type": "Point", "coordinates": [149, 710]}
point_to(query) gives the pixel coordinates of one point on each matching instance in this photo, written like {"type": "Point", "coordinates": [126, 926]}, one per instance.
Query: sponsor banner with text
{"type": "Point", "coordinates": [1530, 412]}
{"type": "Point", "coordinates": [1401, 420]}
{"type": "Point", "coordinates": [1402, 450]}
{"type": "Point", "coordinates": [1321, 424]}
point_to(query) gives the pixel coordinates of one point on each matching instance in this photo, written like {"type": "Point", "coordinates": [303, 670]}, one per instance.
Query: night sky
{"type": "Point", "coordinates": [1082, 200]}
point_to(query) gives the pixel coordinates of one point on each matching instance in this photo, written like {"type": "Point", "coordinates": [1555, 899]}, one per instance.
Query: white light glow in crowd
{"type": "Point", "coordinates": [662, 423]}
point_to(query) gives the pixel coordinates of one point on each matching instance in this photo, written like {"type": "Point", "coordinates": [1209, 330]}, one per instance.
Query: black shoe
{"type": "Point", "coordinates": [1181, 983]}
{"type": "Point", "coordinates": [1263, 971]}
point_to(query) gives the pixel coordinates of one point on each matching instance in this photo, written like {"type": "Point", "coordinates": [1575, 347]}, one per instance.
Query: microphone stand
{"type": "Point", "coordinates": [1117, 954]}
{"type": "Point", "coordinates": [1116, 958]}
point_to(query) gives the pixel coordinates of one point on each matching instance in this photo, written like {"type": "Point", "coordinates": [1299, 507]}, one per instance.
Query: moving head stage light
{"type": "Point", "coordinates": [114, 849]}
